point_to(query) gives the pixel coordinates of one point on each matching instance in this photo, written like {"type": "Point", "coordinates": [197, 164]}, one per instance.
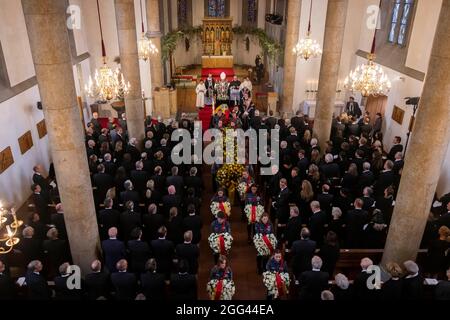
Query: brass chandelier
{"type": "Point", "coordinates": [9, 226]}
{"type": "Point", "coordinates": [107, 84]}
{"type": "Point", "coordinates": [308, 48]}
{"type": "Point", "coordinates": [146, 48]}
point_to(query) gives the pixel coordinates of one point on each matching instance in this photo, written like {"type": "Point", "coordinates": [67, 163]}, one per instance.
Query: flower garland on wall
{"type": "Point", "coordinates": [270, 47]}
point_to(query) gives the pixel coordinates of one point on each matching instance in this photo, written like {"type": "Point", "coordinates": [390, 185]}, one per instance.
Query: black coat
{"type": "Point", "coordinates": [103, 182]}
{"type": "Point", "coordinates": [195, 183]}
{"type": "Point", "coordinates": [108, 218]}
{"type": "Point", "coordinates": [312, 283]}
{"type": "Point", "coordinates": [189, 253]}
{"type": "Point", "coordinates": [194, 224]}
{"type": "Point", "coordinates": [97, 285]}
{"type": "Point", "coordinates": [385, 180]}
{"type": "Point", "coordinates": [129, 220]}
{"type": "Point", "coordinates": [125, 285]}
{"type": "Point", "coordinates": [37, 287]}
{"type": "Point", "coordinates": [355, 221]}
{"type": "Point", "coordinates": [62, 292]}
{"type": "Point", "coordinates": [139, 179]}
{"type": "Point", "coordinates": [413, 288]}
{"type": "Point", "coordinates": [163, 251]}
{"type": "Point", "coordinates": [175, 230]}
{"type": "Point", "coordinates": [282, 206]}
{"type": "Point", "coordinates": [183, 287]}
{"type": "Point", "coordinates": [7, 291]}
{"type": "Point", "coordinates": [362, 292]}
{"type": "Point", "coordinates": [151, 224]}
{"type": "Point", "coordinates": [57, 220]}
{"type": "Point", "coordinates": [392, 290]}
{"type": "Point", "coordinates": [113, 251]}
{"type": "Point", "coordinates": [177, 182]}
{"type": "Point", "coordinates": [396, 148]}
{"type": "Point", "coordinates": [326, 202]}
{"type": "Point", "coordinates": [31, 249]}
{"type": "Point", "coordinates": [330, 256]}
{"type": "Point", "coordinates": [317, 224]}
{"type": "Point", "coordinates": [153, 286]}
{"type": "Point", "coordinates": [56, 253]}
{"type": "Point", "coordinates": [171, 201]}
{"type": "Point", "coordinates": [130, 195]}
{"type": "Point", "coordinates": [138, 254]}
{"type": "Point", "coordinates": [41, 206]}
{"type": "Point", "coordinates": [292, 231]}
{"type": "Point", "coordinates": [302, 252]}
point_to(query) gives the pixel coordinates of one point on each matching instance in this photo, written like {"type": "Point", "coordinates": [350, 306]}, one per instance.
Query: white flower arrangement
{"type": "Point", "coordinates": [270, 281]}
{"type": "Point", "coordinates": [215, 208]}
{"type": "Point", "coordinates": [262, 247]}
{"type": "Point", "coordinates": [258, 214]}
{"type": "Point", "coordinates": [214, 242]}
{"type": "Point", "coordinates": [242, 189]}
{"type": "Point", "coordinates": [227, 293]}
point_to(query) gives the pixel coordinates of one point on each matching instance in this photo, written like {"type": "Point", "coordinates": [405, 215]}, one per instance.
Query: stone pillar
{"type": "Point", "coordinates": [49, 42]}
{"type": "Point", "coordinates": [290, 59]}
{"type": "Point", "coordinates": [154, 31]}
{"type": "Point", "coordinates": [129, 60]}
{"type": "Point", "coordinates": [329, 69]}
{"type": "Point", "coordinates": [426, 152]}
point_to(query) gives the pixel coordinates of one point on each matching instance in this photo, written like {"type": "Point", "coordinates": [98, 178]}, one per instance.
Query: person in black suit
{"type": "Point", "coordinates": [139, 177]}
{"type": "Point", "coordinates": [295, 184]}
{"type": "Point", "coordinates": [36, 284]}
{"type": "Point", "coordinates": [397, 147]}
{"type": "Point", "coordinates": [183, 286]}
{"type": "Point", "coordinates": [194, 223]}
{"type": "Point", "coordinates": [294, 226]}
{"type": "Point", "coordinates": [385, 180]}
{"type": "Point", "coordinates": [129, 194]}
{"type": "Point", "coordinates": [442, 291]}
{"type": "Point", "coordinates": [41, 203]}
{"type": "Point", "coordinates": [317, 223]}
{"type": "Point", "coordinates": [113, 250]}
{"type": "Point", "coordinates": [398, 163]}
{"type": "Point", "coordinates": [366, 178]}
{"type": "Point", "coordinates": [138, 251]}
{"type": "Point", "coordinates": [153, 284]}
{"type": "Point", "coordinates": [412, 282]}
{"type": "Point", "coordinates": [188, 252]}
{"type": "Point", "coordinates": [110, 166]}
{"type": "Point", "coordinates": [302, 164]}
{"type": "Point", "coordinates": [444, 220]}
{"type": "Point", "coordinates": [362, 291]}
{"type": "Point", "coordinates": [124, 283]}
{"type": "Point", "coordinates": [195, 182]}
{"type": "Point", "coordinates": [176, 181]}
{"type": "Point", "coordinates": [152, 222]}
{"type": "Point", "coordinates": [330, 170]}
{"type": "Point", "coordinates": [158, 178]}
{"type": "Point", "coordinates": [326, 200]}
{"type": "Point", "coordinates": [129, 219]}
{"type": "Point", "coordinates": [171, 200]}
{"type": "Point", "coordinates": [352, 108]}
{"type": "Point", "coordinates": [57, 220]}
{"type": "Point", "coordinates": [175, 229]}
{"type": "Point", "coordinates": [330, 252]}
{"type": "Point", "coordinates": [367, 199]}
{"type": "Point", "coordinates": [62, 291]}
{"type": "Point", "coordinates": [133, 151]}
{"type": "Point", "coordinates": [392, 289]}
{"type": "Point", "coordinates": [343, 291]}
{"type": "Point", "coordinates": [302, 252]}
{"type": "Point", "coordinates": [271, 121]}
{"type": "Point", "coordinates": [7, 291]}
{"type": "Point", "coordinates": [103, 182]}
{"type": "Point", "coordinates": [56, 252]}
{"type": "Point", "coordinates": [108, 218]}
{"type": "Point", "coordinates": [281, 206]}
{"type": "Point", "coordinates": [355, 221]}
{"type": "Point", "coordinates": [98, 283]}
{"type": "Point", "coordinates": [163, 251]}
{"type": "Point", "coordinates": [312, 283]}
{"type": "Point", "coordinates": [39, 179]}
{"type": "Point", "coordinates": [30, 247]}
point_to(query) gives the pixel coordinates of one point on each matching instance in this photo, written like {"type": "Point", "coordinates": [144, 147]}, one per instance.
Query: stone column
{"type": "Point", "coordinates": [290, 59]}
{"type": "Point", "coordinates": [129, 60]}
{"type": "Point", "coordinates": [49, 41]}
{"type": "Point", "coordinates": [154, 31]}
{"type": "Point", "coordinates": [329, 69]}
{"type": "Point", "coordinates": [426, 152]}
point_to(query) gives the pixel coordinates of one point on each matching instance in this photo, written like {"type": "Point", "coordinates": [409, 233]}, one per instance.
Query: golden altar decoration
{"type": "Point", "coordinates": [217, 40]}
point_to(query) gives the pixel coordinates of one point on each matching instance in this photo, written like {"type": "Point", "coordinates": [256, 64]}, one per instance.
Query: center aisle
{"type": "Point", "coordinates": [249, 285]}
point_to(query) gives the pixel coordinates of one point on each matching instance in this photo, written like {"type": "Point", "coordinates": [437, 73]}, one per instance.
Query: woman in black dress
{"type": "Point", "coordinates": [329, 252]}
{"type": "Point", "coordinates": [437, 259]}
{"type": "Point", "coordinates": [392, 289]}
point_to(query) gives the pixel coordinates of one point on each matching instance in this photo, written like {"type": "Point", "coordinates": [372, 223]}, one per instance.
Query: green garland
{"type": "Point", "coordinates": [270, 47]}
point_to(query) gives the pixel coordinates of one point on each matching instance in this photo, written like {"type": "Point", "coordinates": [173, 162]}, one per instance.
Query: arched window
{"type": "Point", "coordinates": [217, 8]}
{"type": "Point", "coordinates": [184, 13]}
{"type": "Point", "coordinates": [400, 21]}
{"type": "Point", "coordinates": [250, 13]}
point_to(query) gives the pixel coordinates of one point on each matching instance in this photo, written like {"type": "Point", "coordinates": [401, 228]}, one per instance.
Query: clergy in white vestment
{"type": "Point", "coordinates": [200, 90]}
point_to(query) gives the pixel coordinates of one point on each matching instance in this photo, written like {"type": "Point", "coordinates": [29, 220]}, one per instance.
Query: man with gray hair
{"type": "Point", "coordinates": [58, 221]}
{"type": "Point", "coordinates": [194, 181]}
{"type": "Point", "coordinates": [413, 282]}
{"type": "Point", "coordinates": [97, 283]}
{"type": "Point", "coordinates": [317, 222]}
{"type": "Point", "coordinates": [361, 284]}
{"type": "Point", "coordinates": [132, 149]}
{"type": "Point", "coordinates": [327, 295]}
{"type": "Point", "coordinates": [342, 291]}
{"type": "Point", "coordinates": [314, 282]}
{"type": "Point", "coordinates": [36, 283]}
{"type": "Point", "coordinates": [129, 194]}
{"type": "Point", "coordinates": [330, 170]}
{"type": "Point", "coordinates": [302, 251]}
{"type": "Point", "coordinates": [366, 179]}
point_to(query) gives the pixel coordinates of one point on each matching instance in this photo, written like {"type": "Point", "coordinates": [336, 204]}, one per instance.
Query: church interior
{"type": "Point", "coordinates": [94, 94]}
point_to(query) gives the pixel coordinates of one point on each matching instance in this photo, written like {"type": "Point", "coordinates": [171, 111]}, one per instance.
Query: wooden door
{"type": "Point", "coordinates": [376, 105]}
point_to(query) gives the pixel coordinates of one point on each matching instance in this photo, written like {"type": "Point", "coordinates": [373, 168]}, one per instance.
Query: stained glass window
{"type": "Point", "coordinates": [182, 13]}
{"type": "Point", "coordinates": [252, 12]}
{"type": "Point", "coordinates": [401, 17]}
{"type": "Point", "coordinates": [216, 8]}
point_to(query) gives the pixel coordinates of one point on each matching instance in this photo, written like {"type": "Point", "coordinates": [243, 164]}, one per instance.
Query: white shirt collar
{"type": "Point", "coordinates": [412, 276]}
{"type": "Point", "coordinates": [315, 270]}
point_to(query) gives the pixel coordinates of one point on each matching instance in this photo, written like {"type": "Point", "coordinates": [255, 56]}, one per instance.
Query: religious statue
{"type": "Point", "coordinates": [200, 91]}
{"type": "Point", "coordinates": [221, 89]}
{"type": "Point", "coordinates": [210, 86]}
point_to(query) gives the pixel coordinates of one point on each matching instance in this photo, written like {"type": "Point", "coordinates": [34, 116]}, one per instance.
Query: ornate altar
{"type": "Point", "coordinates": [217, 36]}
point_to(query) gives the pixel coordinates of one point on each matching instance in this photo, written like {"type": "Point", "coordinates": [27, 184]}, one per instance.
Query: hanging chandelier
{"type": "Point", "coordinates": [308, 48]}
{"type": "Point", "coordinates": [146, 48]}
{"type": "Point", "coordinates": [107, 84]}
{"type": "Point", "coordinates": [369, 79]}
{"type": "Point", "coordinates": [9, 225]}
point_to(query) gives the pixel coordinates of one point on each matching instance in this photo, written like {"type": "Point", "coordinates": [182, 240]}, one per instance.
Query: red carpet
{"type": "Point", "coordinates": [216, 73]}
{"type": "Point", "coordinates": [204, 115]}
